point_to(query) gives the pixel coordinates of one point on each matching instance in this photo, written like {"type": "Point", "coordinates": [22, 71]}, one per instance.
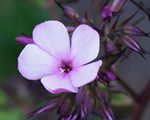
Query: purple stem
{"type": "Point", "coordinates": [142, 102]}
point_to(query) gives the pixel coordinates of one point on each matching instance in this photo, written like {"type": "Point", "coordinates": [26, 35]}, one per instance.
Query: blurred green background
{"type": "Point", "coordinates": [16, 17]}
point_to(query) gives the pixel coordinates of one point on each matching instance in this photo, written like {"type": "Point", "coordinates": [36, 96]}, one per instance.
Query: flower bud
{"type": "Point", "coordinates": [76, 115]}
{"type": "Point", "coordinates": [65, 108]}
{"type": "Point", "coordinates": [106, 111]}
{"type": "Point", "coordinates": [68, 12]}
{"type": "Point", "coordinates": [134, 31]}
{"type": "Point", "coordinates": [88, 103]}
{"type": "Point", "coordinates": [24, 40]}
{"type": "Point", "coordinates": [132, 44]}
{"type": "Point", "coordinates": [106, 14]}
{"type": "Point", "coordinates": [99, 94]}
{"type": "Point", "coordinates": [45, 108]}
{"type": "Point", "coordinates": [117, 5]}
{"type": "Point", "coordinates": [118, 43]}
{"type": "Point", "coordinates": [107, 76]}
{"type": "Point", "coordinates": [72, 117]}
{"type": "Point", "coordinates": [109, 47]}
{"type": "Point", "coordinates": [81, 94]}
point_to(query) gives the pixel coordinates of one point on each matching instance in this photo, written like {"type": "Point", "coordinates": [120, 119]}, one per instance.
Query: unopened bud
{"type": "Point", "coordinates": [106, 14]}
{"type": "Point", "coordinates": [76, 115]}
{"type": "Point", "coordinates": [65, 108]}
{"type": "Point", "coordinates": [107, 76]}
{"type": "Point", "coordinates": [80, 95]}
{"type": "Point", "coordinates": [72, 117]}
{"type": "Point", "coordinates": [88, 104]}
{"type": "Point", "coordinates": [109, 47]}
{"type": "Point", "coordinates": [70, 12]}
{"type": "Point", "coordinates": [106, 112]}
{"type": "Point", "coordinates": [99, 94]}
{"type": "Point", "coordinates": [24, 40]}
{"type": "Point", "coordinates": [134, 31]}
{"type": "Point", "coordinates": [48, 107]}
{"type": "Point", "coordinates": [118, 44]}
{"type": "Point", "coordinates": [132, 44]}
{"type": "Point", "coordinates": [117, 5]}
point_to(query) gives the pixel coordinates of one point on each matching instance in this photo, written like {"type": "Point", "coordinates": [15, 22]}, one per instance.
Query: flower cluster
{"type": "Point", "coordinates": [68, 60]}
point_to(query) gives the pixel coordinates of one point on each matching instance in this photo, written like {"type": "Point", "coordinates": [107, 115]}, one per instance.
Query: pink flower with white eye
{"type": "Point", "coordinates": [61, 64]}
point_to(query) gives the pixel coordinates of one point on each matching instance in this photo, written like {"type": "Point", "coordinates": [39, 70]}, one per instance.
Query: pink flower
{"type": "Point", "coordinates": [106, 12]}
{"type": "Point", "coordinates": [24, 40]}
{"type": "Point", "coordinates": [61, 64]}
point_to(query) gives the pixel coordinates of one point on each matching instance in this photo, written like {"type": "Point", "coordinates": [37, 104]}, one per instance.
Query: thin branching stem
{"type": "Point", "coordinates": [142, 102]}
{"type": "Point", "coordinates": [141, 8]}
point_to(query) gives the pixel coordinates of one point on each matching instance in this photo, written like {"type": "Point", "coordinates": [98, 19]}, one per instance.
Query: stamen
{"type": "Point", "coordinates": [61, 70]}
{"type": "Point", "coordinates": [65, 68]}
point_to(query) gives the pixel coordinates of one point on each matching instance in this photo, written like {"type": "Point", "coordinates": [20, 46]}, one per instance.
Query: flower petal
{"type": "Point", "coordinates": [84, 45]}
{"type": "Point", "coordinates": [34, 63]}
{"type": "Point", "coordinates": [52, 36]}
{"type": "Point", "coordinates": [85, 74]}
{"type": "Point", "coordinates": [58, 83]}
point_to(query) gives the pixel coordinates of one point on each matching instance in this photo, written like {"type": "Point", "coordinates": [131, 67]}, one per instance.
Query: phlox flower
{"type": "Point", "coordinates": [62, 64]}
